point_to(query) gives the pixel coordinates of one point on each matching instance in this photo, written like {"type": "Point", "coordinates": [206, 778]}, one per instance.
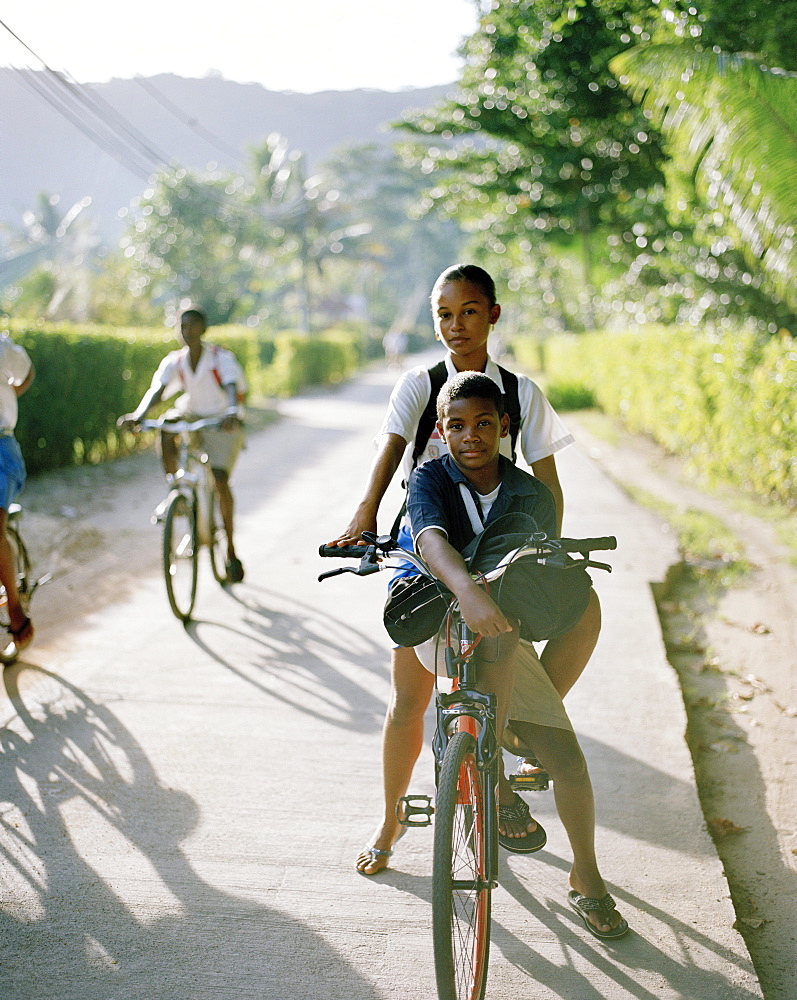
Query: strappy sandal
{"type": "Point", "coordinates": [376, 853]}
{"type": "Point", "coordinates": [584, 905]}
{"type": "Point", "coordinates": [519, 813]}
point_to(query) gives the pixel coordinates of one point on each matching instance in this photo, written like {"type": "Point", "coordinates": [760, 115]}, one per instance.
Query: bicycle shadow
{"type": "Point", "coordinates": [303, 658]}
{"type": "Point", "coordinates": [101, 901]}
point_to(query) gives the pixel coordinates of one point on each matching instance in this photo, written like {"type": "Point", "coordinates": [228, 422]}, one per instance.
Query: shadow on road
{"type": "Point", "coordinates": [106, 903]}
{"type": "Point", "coordinates": [301, 657]}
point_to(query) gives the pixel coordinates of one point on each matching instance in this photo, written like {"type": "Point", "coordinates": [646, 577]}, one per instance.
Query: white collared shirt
{"type": "Point", "coordinates": [202, 392]}
{"type": "Point", "coordinates": [542, 432]}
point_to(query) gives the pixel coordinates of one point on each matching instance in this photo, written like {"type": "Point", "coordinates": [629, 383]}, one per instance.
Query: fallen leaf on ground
{"type": "Point", "coordinates": [754, 922]}
{"type": "Point", "coordinates": [724, 827]}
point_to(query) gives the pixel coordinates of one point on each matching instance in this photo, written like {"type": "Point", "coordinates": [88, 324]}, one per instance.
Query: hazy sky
{"type": "Point", "coordinates": [302, 45]}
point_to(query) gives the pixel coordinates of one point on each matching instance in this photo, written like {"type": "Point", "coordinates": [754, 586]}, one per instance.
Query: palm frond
{"type": "Point", "coordinates": [733, 123]}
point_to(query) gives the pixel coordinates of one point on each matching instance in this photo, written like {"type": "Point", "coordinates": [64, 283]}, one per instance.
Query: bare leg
{"type": "Point", "coordinates": [226, 506]}
{"type": "Point", "coordinates": [16, 615]}
{"type": "Point", "coordinates": [402, 739]}
{"type": "Point", "coordinates": [565, 657]}
{"type": "Point", "coordinates": [169, 452]}
{"type": "Point", "coordinates": [560, 754]}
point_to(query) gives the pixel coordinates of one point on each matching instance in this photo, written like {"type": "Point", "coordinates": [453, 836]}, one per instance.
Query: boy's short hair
{"type": "Point", "coordinates": [195, 313]}
{"type": "Point", "coordinates": [469, 385]}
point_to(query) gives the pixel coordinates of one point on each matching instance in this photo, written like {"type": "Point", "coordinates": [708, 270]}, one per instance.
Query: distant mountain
{"type": "Point", "coordinates": [162, 119]}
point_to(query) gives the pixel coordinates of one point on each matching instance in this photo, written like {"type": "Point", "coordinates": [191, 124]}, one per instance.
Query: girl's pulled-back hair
{"type": "Point", "coordinates": [468, 272]}
{"type": "Point", "coordinates": [469, 385]}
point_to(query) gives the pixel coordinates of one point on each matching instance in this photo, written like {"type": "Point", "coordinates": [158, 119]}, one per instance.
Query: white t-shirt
{"type": "Point", "coordinates": [203, 395]}
{"type": "Point", "coordinates": [14, 368]}
{"type": "Point", "coordinates": [541, 433]}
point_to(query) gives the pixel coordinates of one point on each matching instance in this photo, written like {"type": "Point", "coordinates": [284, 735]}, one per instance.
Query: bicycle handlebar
{"type": "Point", "coordinates": [585, 545]}
{"type": "Point", "coordinates": [343, 551]}
{"type": "Point", "coordinates": [376, 555]}
{"type": "Point", "coordinates": [180, 426]}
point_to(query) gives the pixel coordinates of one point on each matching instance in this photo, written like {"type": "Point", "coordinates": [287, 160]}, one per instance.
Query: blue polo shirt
{"type": "Point", "coordinates": [434, 500]}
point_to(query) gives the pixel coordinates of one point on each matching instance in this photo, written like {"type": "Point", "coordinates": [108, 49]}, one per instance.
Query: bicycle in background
{"type": "Point", "coordinates": [26, 587]}
{"type": "Point", "coordinates": [468, 759]}
{"type": "Point", "coordinates": [191, 517]}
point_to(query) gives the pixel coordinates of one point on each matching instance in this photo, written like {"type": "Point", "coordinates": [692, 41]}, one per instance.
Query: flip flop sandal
{"type": "Point", "coordinates": [375, 853]}
{"type": "Point", "coordinates": [519, 813]}
{"type": "Point", "coordinates": [584, 905]}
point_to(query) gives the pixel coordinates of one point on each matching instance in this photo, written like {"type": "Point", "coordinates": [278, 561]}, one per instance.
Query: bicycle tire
{"type": "Point", "coordinates": [217, 538]}
{"type": "Point", "coordinates": [8, 652]}
{"type": "Point", "coordinates": [181, 553]}
{"type": "Point", "coordinates": [461, 887]}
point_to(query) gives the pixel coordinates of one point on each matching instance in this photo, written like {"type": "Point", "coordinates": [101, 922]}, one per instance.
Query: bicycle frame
{"type": "Point", "coordinates": [184, 529]}
{"type": "Point", "coordinates": [468, 759]}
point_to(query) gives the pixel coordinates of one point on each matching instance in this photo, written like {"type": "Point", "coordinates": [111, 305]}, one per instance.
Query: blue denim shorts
{"type": "Point", "coordinates": [12, 471]}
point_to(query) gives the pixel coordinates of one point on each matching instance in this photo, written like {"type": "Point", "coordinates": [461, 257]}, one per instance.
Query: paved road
{"type": "Point", "coordinates": [180, 809]}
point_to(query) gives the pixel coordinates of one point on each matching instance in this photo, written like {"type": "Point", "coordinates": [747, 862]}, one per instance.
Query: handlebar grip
{"type": "Point", "coordinates": [343, 552]}
{"type": "Point", "coordinates": [588, 544]}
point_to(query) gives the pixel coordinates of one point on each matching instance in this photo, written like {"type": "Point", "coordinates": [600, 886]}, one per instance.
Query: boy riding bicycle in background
{"type": "Point", "coordinates": [472, 421]}
{"type": "Point", "coordinates": [212, 385]}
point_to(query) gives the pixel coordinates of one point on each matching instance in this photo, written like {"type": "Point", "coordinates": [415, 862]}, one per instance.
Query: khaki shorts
{"type": "Point", "coordinates": [534, 698]}
{"type": "Point", "coordinates": [222, 447]}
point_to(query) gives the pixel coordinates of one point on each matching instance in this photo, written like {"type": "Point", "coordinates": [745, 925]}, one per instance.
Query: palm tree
{"type": "Point", "coordinates": [732, 123]}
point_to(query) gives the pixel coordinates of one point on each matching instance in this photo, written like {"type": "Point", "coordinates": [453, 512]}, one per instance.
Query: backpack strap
{"type": "Point", "coordinates": [512, 406]}
{"type": "Point", "coordinates": [438, 376]}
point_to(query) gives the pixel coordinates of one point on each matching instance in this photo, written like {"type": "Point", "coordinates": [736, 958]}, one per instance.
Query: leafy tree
{"type": "Point", "coordinates": [540, 142]}
{"type": "Point", "coordinates": [45, 272]}
{"type": "Point", "coordinates": [732, 129]}
{"type": "Point", "coordinates": [406, 247]}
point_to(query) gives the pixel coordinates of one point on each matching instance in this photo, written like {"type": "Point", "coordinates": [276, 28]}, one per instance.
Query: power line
{"type": "Point", "coordinates": [69, 99]}
{"type": "Point", "coordinates": [108, 144]}
{"type": "Point", "coordinates": [187, 120]}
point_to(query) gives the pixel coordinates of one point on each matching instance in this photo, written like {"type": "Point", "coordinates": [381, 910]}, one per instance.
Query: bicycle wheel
{"type": "Point", "coordinates": [217, 537]}
{"type": "Point", "coordinates": [461, 890]}
{"type": "Point", "coordinates": [181, 553]}
{"type": "Point", "coordinates": [8, 650]}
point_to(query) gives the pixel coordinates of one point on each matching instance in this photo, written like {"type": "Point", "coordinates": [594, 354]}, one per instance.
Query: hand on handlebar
{"type": "Point", "coordinates": [231, 422]}
{"type": "Point", "coordinates": [353, 532]}
{"type": "Point", "coordinates": [482, 614]}
{"type": "Point", "coordinates": [129, 422]}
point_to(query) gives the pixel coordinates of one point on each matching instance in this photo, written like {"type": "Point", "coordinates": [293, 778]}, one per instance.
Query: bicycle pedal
{"type": "Point", "coordinates": [415, 810]}
{"type": "Point", "coordinates": [538, 782]}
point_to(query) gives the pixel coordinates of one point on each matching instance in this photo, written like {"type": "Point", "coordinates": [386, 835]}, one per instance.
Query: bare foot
{"type": "Point", "coordinates": [21, 633]}
{"type": "Point", "coordinates": [529, 766]}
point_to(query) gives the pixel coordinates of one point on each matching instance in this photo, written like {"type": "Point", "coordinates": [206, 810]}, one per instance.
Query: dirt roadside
{"type": "Point", "coordinates": [734, 648]}
{"type": "Point", "coordinates": [736, 658]}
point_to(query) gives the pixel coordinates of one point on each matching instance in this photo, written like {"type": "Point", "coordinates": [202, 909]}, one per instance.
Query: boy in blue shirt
{"type": "Point", "coordinates": [472, 422]}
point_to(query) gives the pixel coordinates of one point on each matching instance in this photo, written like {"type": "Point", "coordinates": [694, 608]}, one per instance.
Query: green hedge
{"type": "Point", "coordinates": [87, 376]}
{"type": "Point", "coordinates": [725, 400]}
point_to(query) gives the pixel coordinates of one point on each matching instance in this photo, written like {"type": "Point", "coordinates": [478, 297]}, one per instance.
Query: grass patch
{"type": "Point", "coordinates": [706, 543]}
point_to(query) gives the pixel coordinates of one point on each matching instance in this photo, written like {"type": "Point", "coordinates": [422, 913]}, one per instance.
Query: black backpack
{"type": "Point", "coordinates": [438, 376]}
